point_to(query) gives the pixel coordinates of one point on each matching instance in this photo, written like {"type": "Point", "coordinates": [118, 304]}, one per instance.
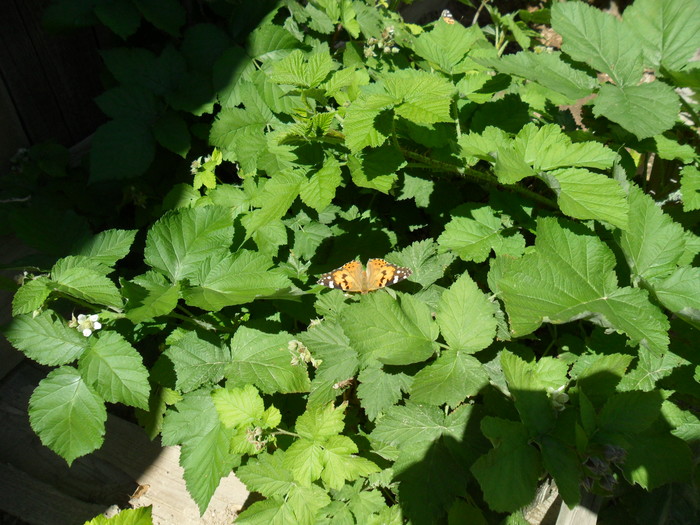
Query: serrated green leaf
{"type": "Point", "coordinates": [378, 389]}
{"type": "Point", "coordinates": [197, 362]}
{"type": "Point", "coordinates": [376, 168]}
{"type": "Point", "coordinates": [238, 407]}
{"type": "Point", "coordinates": [205, 457]}
{"type": "Point", "coordinates": [657, 460]}
{"type": "Point", "coordinates": [121, 17]}
{"type": "Point", "coordinates": [474, 235]}
{"type": "Point", "coordinates": [629, 107]}
{"type": "Point", "coordinates": [172, 133]}
{"type": "Point", "coordinates": [167, 15]}
{"type": "Point", "coordinates": [650, 369]}
{"type": "Point", "coordinates": [571, 276]}
{"type": "Point", "coordinates": [320, 423]}
{"type": "Point", "coordinates": [267, 475]}
{"type": "Point", "coordinates": [225, 279]}
{"type": "Point", "coordinates": [446, 45]}
{"type": "Point", "coordinates": [238, 133]}
{"type": "Point", "coordinates": [630, 412]}
{"type": "Point", "coordinates": [31, 295]}
{"type": "Point", "coordinates": [466, 317]}
{"type": "Point", "coordinates": [88, 285]}
{"type": "Point", "coordinates": [318, 190]}
{"type": "Point", "coordinates": [301, 71]}
{"type": "Point", "coordinates": [338, 360]}
{"type": "Point", "coordinates": [600, 40]}
{"type": "Point", "coordinates": [690, 188]}
{"type": "Point", "coordinates": [585, 195]}
{"type": "Point", "coordinates": [140, 516]}
{"type": "Point", "coordinates": [45, 339]}
{"type": "Point", "coordinates": [148, 296]}
{"type": "Point", "coordinates": [341, 465]}
{"type": "Point", "coordinates": [667, 31]}
{"type": "Point", "coordinates": [108, 246]}
{"type": "Point", "coordinates": [547, 69]}
{"type": "Point", "coordinates": [181, 240]}
{"type": "Point", "coordinates": [304, 460]}
{"type": "Point", "coordinates": [121, 149]}
{"type": "Point", "coordinates": [368, 121]}
{"type": "Point", "coordinates": [67, 415]}
{"type": "Point", "coordinates": [274, 200]}
{"type": "Point", "coordinates": [115, 370]}
{"type": "Point", "coordinates": [453, 377]}
{"type": "Point", "coordinates": [528, 384]}
{"type": "Point", "coordinates": [266, 361]}
{"type": "Point", "coordinates": [508, 474]}
{"type": "Point", "coordinates": [653, 244]}
{"type": "Point", "coordinates": [562, 462]}
{"type": "Point", "coordinates": [423, 98]}
{"type": "Point", "coordinates": [269, 42]}
{"type": "Point", "coordinates": [380, 328]}
{"type": "Point", "coordinates": [680, 293]}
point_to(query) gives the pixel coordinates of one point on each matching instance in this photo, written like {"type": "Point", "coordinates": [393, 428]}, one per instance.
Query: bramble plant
{"type": "Point", "coordinates": [548, 329]}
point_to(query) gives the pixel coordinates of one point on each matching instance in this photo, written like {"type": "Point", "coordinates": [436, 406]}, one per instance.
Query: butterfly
{"type": "Point", "coordinates": [447, 17]}
{"type": "Point", "coordinates": [352, 278]}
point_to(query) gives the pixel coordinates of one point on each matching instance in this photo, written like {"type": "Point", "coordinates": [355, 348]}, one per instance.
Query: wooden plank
{"type": "Point", "coordinates": [51, 79]}
{"type": "Point", "coordinates": [40, 503]}
{"type": "Point", "coordinates": [110, 475]}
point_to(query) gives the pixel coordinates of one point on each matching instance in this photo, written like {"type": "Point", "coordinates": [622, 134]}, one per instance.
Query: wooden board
{"type": "Point", "coordinates": [37, 486]}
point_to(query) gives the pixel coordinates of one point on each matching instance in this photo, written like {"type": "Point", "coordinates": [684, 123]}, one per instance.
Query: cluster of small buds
{"type": "Point", "coordinates": [198, 163]}
{"type": "Point", "coordinates": [86, 324]}
{"type": "Point", "coordinates": [384, 44]}
{"type": "Point", "coordinates": [558, 396]}
{"type": "Point", "coordinates": [301, 354]}
{"type": "Point", "coordinates": [255, 437]}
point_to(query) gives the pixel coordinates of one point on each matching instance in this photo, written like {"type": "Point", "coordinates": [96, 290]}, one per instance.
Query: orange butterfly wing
{"type": "Point", "coordinates": [348, 277]}
{"type": "Point", "coordinates": [381, 273]}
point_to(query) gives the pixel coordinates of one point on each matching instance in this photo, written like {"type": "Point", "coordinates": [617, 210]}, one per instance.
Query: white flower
{"type": "Point", "coordinates": [86, 324]}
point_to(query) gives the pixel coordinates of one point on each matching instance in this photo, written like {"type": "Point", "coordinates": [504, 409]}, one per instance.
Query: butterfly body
{"type": "Point", "coordinates": [351, 277]}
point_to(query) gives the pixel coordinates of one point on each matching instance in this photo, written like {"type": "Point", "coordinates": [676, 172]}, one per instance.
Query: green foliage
{"type": "Point", "coordinates": [547, 328]}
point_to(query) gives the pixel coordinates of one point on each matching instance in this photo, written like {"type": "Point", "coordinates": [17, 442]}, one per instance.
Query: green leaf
{"type": "Point", "coordinates": [274, 200]}
{"type": "Point", "coordinates": [269, 42]}
{"type": "Point", "coordinates": [600, 40]}
{"type": "Point", "coordinates": [630, 412]}
{"type": "Point", "coordinates": [301, 71]}
{"type": "Point", "coordinates": [121, 149]}
{"type": "Point", "coordinates": [337, 360]}
{"type": "Point", "coordinates": [167, 15]}
{"type": "Point", "coordinates": [380, 328]}
{"type": "Point", "coordinates": [466, 317]}
{"type": "Point", "coordinates": [108, 246]}
{"type": "Point", "coordinates": [238, 407]}
{"type": "Point", "coordinates": [266, 361]}
{"type": "Point", "coordinates": [585, 195]}
{"type": "Point", "coordinates": [318, 190]}
{"type": "Point", "coordinates": [225, 279]}
{"type": "Point", "coordinates": [368, 121]}
{"type": "Point", "coordinates": [238, 133]}
{"type": "Point", "coordinates": [650, 369]}
{"type": "Point", "coordinates": [446, 45]}
{"type": "Point", "coordinates": [378, 389]}
{"type": "Point", "coordinates": [528, 384]}
{"type": "Point", "coordinates": [121, 17]}
{"type": "Point", "coordinates": [31, 295]}
{"type": "Point", "coordinates": [376, 168]}
{"type": "Point", "coordinates": [181, 240]}
{"type": "Point", "coordinates": [148, 296]}
{"type": "Point", "coordinates": [508, 474]}
{"type": "Point", "coordinates": [658, 460]}
{"type": "Point", "coordinates": [549, 70]}
{"type": "Point", "coordinates": [562, 462]}
{"type": "Point", "coordinates": [267, 475]}
{"type": "Point", "coordinates": [453, 377]}
{"type": "Point", "coordinates": [680, 293]}
{"type": "Point", "coordinates": [140, 516]}
{"type": "Point", "coordinates": [45, 339]}
{"type": "Point", "coordinates": [341, 464]}
{"type": "Point", "coordinates": [653, 244]}
{"type": "Point", "coordinates": [629, 107]}
{"type": "Point", "coordinates": [67, 415]}
{"type": "Point", "coordinates": [197, 362]}
{"type": "Point", "coordinates": [86, 284]}
{"type": "Point", "coordinates": [205, 441]}
{"type": "Point", "coordinates": [690, 188]}
{"type": "Point", "coordinates": [571, 276]}
{"type": "Point", "coordinates": [473, 236]}
{"type": "Point", "coordinates": [172, 133]}
{"type": "Point", "coordinates": [115, 370]}
{"type": "Point", "coordinates": [423, 98]}
{"type": "Point", "coordinates": [667, 31]}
